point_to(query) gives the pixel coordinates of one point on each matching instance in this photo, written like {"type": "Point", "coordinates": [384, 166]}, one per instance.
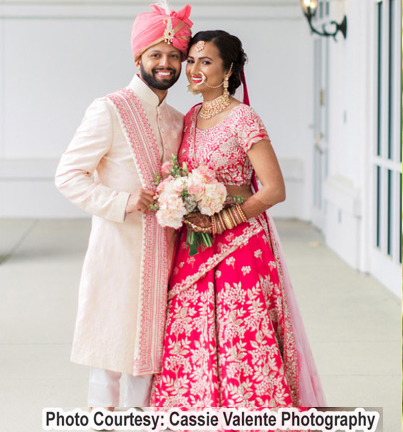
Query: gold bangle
{"type": "Point", "coordinates": [232, 216]}
{"type": "Point", "coordinates": [220, 218]}
{"type": "Point", "coordinates": [227, 220]}
{"type": "Point", "coordinates": [235, 214]}
{"type": "Point", "coordinates": [221, 228]}
{"type": "Point", "coordinates": [241, 213]}
{"type": "Point", "coordinates": [213, 226]}
{"type": "Point", "coordinates": [220, 224]}
{"type": "Point", "coordinates": [231, 219]}
{"type": "Point", "coordinates": [224, 218]}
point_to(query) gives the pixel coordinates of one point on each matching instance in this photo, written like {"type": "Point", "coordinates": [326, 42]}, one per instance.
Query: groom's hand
{"type": "Point", "coordinates": [140, 200]}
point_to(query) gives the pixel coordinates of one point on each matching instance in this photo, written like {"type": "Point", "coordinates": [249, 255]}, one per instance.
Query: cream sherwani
{"type": "Point", "coordinates": [97, 173]}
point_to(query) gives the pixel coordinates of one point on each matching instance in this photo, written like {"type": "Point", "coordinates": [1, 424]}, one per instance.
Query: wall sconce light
{"type": "Point", "coordinates": [309, 9]}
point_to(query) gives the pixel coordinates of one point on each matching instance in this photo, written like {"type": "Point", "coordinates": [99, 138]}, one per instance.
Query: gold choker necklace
{"type": "Point", "coordinates": [210, 109]}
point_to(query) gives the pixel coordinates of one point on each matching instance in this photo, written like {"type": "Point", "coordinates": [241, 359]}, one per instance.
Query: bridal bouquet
{"type": "Point", "coordinates": [182, 192]}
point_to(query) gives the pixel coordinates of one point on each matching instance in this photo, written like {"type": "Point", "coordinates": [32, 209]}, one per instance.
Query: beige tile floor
{"type": "Point", "coordinates": [353, 322]}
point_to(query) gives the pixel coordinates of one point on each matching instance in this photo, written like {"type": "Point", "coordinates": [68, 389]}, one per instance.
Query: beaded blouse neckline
{"type": "Point", "coordinates": [197, 109]}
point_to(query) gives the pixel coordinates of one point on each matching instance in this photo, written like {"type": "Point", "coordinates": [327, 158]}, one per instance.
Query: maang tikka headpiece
{"type": "Point", "coordinates": [200, 45]}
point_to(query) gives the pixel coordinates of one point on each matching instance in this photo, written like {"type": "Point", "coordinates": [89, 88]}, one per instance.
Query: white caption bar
{"type": "Point", "coordinates": [213, 419]}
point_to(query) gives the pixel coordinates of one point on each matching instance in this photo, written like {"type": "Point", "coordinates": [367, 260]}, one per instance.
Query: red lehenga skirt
{"type": "Point", "coordinates": [229, 336]}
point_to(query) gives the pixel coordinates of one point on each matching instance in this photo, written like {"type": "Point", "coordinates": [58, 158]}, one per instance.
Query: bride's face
{"type": "Point", "coordinates": [205, 66]}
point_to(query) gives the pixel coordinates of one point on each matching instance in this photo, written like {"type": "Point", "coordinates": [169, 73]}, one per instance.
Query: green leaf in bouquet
{"type": "Point", "coordinates": [236, 199]}
{"type": "Point", "coordinates": [207, 239]}
{"type": "Point", "coordinates": [157, 179]}
{"type": "Point", "coordinates": [191, 241]}
{"type": "Point", "coordinates": [195, 240]}
{"type": "Point", "coordinates": [193, 250]}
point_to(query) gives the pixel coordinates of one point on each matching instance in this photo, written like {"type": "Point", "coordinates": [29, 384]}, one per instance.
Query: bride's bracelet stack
{"type": "Point", "coordinates": [227, 219]}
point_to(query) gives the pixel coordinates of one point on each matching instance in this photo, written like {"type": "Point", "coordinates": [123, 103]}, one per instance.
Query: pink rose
{"type": "Point", "coordinates": [195, 186]}
{"type": "Point", "coordinates": [171, 210]}
{"type": "Point", "coordinates": [207, 174]}
{"type": "Point", "coordinates": [212, 201]}
{"type": "Point", "coordinates": [179, 184]}
{"type": "Point", "coordinates": [166, 168]}
{"type": "Point", "coordinates": [162, 186]}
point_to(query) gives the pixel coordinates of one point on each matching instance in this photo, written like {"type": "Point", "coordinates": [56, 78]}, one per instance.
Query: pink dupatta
{"type": "Point", "coordinates": [310, 389]}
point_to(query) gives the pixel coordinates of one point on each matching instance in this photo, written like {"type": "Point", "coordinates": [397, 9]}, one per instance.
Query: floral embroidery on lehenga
{"type": "Point", "coordinates": [229, 335]}
{"type": "Point", "coordinates": [223, 250]}
{"type": "Point", "coordinates": [222, 345]}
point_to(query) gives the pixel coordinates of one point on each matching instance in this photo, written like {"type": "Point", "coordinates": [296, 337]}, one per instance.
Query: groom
{"type": "Point", "coordinates": [108, 171]}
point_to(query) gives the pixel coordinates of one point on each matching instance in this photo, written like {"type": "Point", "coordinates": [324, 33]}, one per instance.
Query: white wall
{"type": "Point", "coordinates": [349, 190]}
{"type": "Point", "coordinates": [345, 187]}
{"type": "Point", "coordinates": [56, 57]}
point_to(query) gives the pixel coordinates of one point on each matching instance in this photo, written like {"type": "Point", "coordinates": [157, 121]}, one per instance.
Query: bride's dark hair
{"type": "Point", "coordinates": [231, 51]}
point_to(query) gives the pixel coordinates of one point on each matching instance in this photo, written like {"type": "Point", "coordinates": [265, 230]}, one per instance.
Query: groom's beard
{"type": "Point", "coordinates": [159, 83]}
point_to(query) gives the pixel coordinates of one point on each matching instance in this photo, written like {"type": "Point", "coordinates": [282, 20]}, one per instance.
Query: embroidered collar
{"type": "Point", "coordinates": [144, 93]}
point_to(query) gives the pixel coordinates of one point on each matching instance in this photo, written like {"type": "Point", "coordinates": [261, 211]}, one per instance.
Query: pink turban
{"type": "Point", "coordinates": [151, 28]}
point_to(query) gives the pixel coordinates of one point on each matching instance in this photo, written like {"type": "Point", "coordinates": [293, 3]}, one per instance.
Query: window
{"type": "Point", "coordinates": [387, 155]}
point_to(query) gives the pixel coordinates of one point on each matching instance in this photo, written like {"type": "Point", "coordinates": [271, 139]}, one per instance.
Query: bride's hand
{"type": "Point", "coordinates": [199, 220]}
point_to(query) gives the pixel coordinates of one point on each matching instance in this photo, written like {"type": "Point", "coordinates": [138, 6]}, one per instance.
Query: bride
{"type": "Point", "coordinates": [234, 337]}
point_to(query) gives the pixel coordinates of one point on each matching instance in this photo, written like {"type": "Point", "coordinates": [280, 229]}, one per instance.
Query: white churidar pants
{"type": "Point", "coordinates": [104, 389]}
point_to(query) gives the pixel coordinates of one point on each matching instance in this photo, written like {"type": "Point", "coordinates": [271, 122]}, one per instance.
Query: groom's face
{"type": "Point", "coordinates": [160, 66]}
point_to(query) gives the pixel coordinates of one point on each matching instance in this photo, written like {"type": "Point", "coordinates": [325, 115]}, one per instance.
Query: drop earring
{"type": "Point", "coordinates": [194, 92]}
{"type": "Point", "coordinates": [226, 85]}
{"type": "Point", "coordinates": [210, 109]}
